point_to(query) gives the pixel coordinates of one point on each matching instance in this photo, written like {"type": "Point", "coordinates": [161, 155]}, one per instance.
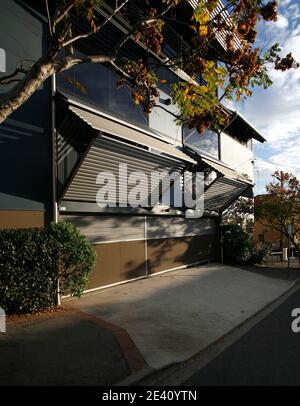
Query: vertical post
{"type": "Point", "coordinates": [290, 231]}
{"type": "Point", "coordinates": [281, 225]}
{"type": "Point", "coordinates": [53, 129]}
{"type": "Point", "coordinates": [221, 240]}
{"type": "Point", "coordinates": [54, 191]}
{"type": "Point", "coordinates": [146, 245]}
{"type": "Point", "coordinates": [289, 253]}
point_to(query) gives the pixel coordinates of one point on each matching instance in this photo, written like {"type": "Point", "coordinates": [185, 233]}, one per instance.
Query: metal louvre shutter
{"type": "Point", "coordinates": [134, 135]}
{"type": "Point", "coordinates": [222, 192]}
{"type": "Point", "coordinates": [170, 227]}
{"type": "Point", "coordinates": [106, 155]}
{"type": "Point", "coordinates": [108, 228]}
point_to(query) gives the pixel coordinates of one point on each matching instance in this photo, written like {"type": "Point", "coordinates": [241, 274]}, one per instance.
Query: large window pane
{"type": "Point", "coordinates": [206, 143]}
{"type": "Point", "coordinates": [164, 122]}
{"type": "Point", "coordinates": [96, 86]}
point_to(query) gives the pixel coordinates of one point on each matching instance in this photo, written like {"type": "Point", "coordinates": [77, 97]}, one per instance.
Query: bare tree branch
{"type": "Point", "coordinates": [59, 17]}
{"type": "Point", "coordinates": [49, 18]}
{"type": "Point", "coordinates": [11, 75]}
{"type": "Point", "coordinates": [69, 61]}
{"type": "Point", "coordinates": [91, 32]}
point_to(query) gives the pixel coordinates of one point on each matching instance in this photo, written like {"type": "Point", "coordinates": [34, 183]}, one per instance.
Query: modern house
{"type": "Point", "coordinates": [53, 148]}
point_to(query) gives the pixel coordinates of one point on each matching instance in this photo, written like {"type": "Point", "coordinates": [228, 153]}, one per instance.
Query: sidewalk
{"type": "Point", "coordinates": [173, 316]}
{"type": "Point", "coordinates": [135, 328]}
{"type": "Point", "coordinates": [60, 348]}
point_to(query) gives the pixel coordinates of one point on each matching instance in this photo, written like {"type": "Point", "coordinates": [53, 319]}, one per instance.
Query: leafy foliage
{"type": "Point", "coordinates": [280, 207]}
{"type": "Point", "coordinates": [219, 46]}
{"type": "Point", "coordinates": [74, 257]}
{"type": "Point", "coordinates": [241, 213]}
{"type": "Point", "coordinates": [239, 248]}
{"type": "Point", "coordinates": [32, 261]}
{"type": "Point", "coordinates": [235, 242]}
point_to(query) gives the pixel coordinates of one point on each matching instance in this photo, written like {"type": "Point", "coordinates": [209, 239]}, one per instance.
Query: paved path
{"type": "Point", "coordinates": [172, 316]}
{"type": "Point", "coordinates": [64, 348]}
{"type": "Point", "coordinates": [269, 354]}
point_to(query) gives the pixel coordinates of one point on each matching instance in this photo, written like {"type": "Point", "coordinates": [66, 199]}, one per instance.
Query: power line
{"type": "Point", "coordinates": [271, 163]}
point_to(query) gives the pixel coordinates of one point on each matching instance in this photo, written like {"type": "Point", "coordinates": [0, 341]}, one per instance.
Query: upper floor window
{"type": "Point", "coordinates": [95, 84]}
{"type": "Point", "coordinates": [161, 118]}
{"type": "Point", "coordinates": [206, 143]}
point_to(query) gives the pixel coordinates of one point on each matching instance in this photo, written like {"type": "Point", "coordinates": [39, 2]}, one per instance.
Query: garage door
{"type": "Point", "coordinates": [130, 247]}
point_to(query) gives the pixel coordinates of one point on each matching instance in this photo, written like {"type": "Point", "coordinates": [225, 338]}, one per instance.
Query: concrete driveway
{"type": "Point", "coordinates": [174, 315]}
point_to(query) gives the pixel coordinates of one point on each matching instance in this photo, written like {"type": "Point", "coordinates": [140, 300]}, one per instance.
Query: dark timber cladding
{"type": "Point", "coordinates": [130, 247]}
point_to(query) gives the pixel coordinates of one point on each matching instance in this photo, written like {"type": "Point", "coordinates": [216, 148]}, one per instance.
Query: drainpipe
{"type": "Point", "coordinates": [54, 172]}
{"type": "Point", "coordinates": [221, 241]}
{"type": "Point", "coordinates": [146, 244]}
{"type": "Point", "coordinates": [53, 131]}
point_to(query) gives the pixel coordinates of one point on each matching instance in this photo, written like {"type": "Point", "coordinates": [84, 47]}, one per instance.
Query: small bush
{"type": "Point", "coordinates": [235, 243]}
{"type": "Point", "coordinates": [75, 257]}
{"type": "Point", "coordinates": [240, 249]}
{"type": "Point", "coordinates": [32, 261]}
{"type": "Point", "coordinates": [255, 255]}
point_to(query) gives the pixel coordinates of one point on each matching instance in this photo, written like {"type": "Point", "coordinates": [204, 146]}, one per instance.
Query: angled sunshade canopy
{"type": "Point", "coordinates": [226, 188]}
{"type": "Point", "coordinates": [108, 126]}
{"type": "Point", "coordinates": [240, 125]}
{"type": "Point", "coordinates": [226, 171]}
{"type": "Point", "coordinates": [222, 193]}
{"type": "Point", "coordinates": [104, 156]}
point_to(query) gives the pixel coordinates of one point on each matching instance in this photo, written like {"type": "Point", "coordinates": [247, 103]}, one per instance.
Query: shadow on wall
{"type": "Point", "coordinates": [122, 256]}
{"type": "Point", "coordinates": [25, 137]}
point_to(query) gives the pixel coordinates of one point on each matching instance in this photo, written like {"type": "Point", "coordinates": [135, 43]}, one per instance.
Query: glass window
{"type": "Point", "coordinates": [96, 85]}
{"type": "Point", "coordinates": [206, 143]}
{"type": "Point", "coordinates": [163, 121]}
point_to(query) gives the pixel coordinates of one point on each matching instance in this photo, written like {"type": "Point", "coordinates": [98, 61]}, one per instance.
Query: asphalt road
{"type": "Point", "coordinates": [269, 354]}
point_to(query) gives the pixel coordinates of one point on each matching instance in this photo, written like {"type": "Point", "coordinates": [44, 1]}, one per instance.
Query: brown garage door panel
{"type": "Point", "coordinates": [133, 264]}
{"type": "Point", "coordinates": [107, 270]}
{"type": "Point", "coordinates": [21, 219]}
{"type": "Point", "coordinates": [117, 262]}
{"type": "Point", "coordinates": [164, 254]}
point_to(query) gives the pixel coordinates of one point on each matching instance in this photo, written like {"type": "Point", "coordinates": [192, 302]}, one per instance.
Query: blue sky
{"type": "Point", "coordinates": [276, 112]}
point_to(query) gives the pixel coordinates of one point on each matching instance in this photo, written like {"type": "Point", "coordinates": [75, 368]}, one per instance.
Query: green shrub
{"type": "Point", "coordinates": [32, 260]}
{"type": "Point", "coordinates": [255, 255]}
{"type": "Point", "coordinates": [75, 257]}
{"type": "Point", "coordinates": [239, 248]}
{"type": "Point", "coordinates": [235, 243]}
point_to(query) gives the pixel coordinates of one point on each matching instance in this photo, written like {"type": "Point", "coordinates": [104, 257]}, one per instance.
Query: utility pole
{"type": "Point", "coordinates": [281, 225]}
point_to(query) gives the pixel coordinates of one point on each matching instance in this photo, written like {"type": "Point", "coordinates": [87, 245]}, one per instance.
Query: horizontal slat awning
{"type": "Point", "coordinates": [222, 193]}
{"type": "Point", "coordinates": [108, 126]}
{"type": "Point", "coordinates": [226, 171]}
{"type": "Point", "coordinates": [105, 155]}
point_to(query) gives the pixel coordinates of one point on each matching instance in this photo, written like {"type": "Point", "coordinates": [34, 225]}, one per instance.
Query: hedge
{"type": "Point", "coordinates": [32, 261]}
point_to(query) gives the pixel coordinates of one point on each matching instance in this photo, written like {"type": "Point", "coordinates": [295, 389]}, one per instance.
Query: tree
{"type": "Point", "coordinates": [280, 208]}
{"type": "Point", "coordinates": [240, 213]}
{"type": "Point", "coordinates": [234, 68]}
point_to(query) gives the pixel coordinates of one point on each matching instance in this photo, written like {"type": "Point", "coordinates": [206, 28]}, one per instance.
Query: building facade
{"type": "Point", "coordinates": [56, 144]}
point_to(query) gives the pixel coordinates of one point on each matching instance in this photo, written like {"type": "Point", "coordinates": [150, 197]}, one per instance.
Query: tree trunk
{"type": "Point", "coordinates": [33, 79]}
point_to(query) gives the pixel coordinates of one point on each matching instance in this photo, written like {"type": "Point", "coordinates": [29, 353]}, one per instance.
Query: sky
{"type": "Point", "coordinates": [275, 112]}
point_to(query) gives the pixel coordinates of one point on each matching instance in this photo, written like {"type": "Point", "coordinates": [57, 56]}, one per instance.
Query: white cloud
{"type": "Point", "coordinates": [276, 111]}
{"type": "Point", "coordinates": [282, 22]}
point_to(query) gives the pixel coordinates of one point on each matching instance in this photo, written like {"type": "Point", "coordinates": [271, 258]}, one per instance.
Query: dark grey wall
{"type": "Point", "coordinates": [25, 138]}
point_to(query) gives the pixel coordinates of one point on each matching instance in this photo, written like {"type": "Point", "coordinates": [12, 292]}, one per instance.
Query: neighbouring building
{"type": "Point", "coordinates": [264, 234]}
{"type": "Point", "coordinates": [54, 146]}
